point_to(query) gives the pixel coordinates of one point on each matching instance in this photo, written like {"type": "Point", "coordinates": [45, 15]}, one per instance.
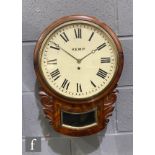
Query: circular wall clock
{"type": "Point", "coordinates": [78, 61]}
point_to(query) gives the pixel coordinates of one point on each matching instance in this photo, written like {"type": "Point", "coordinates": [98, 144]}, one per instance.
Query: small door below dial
{"type": "Point", "coordinates": [79, 120]}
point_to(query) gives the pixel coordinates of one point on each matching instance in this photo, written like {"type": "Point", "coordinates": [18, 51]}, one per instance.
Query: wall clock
{"type": "Point", "coordinates": [78, 61]}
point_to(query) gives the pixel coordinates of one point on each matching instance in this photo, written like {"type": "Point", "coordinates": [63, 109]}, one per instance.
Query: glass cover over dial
{"type": "Point", "coordinates": [78, 59]}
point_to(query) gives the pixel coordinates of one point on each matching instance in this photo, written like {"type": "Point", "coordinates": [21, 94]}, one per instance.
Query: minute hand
{"type": "Point", "coordinates": [69, 54]}
{"type": "Point", "coordinates": [66, 52]}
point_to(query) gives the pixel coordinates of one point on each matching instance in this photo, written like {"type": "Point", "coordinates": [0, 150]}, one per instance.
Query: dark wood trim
{"type": "Point", "coordinates": [52, 26]}
{"type": "Point", "coordinates": [52, 110]}
{"type": "Point", "coordinates": [53, 102]}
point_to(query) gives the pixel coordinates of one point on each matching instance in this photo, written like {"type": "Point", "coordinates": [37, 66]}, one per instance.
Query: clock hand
{"type": "Point", "coordinates": [92, 52]}
{"type": "Point", "coordinates": [65, 51]}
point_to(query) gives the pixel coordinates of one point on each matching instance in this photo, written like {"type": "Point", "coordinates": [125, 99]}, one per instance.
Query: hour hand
{"type": "Point", "coordinates": [98, 48]}
{"type": "Point", "coordinates": [93, 51]}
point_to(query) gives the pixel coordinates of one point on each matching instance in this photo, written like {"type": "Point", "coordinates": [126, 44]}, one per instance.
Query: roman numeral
{"type": "Point", "coordinates": [91, 36]}
{"type": "Point", "coordinates": [64, 37]}
{"type": "Point", "coordinates": [105, 60]}
{"type": "Point", "coordinates": [101, 46]}
{"type": "Point", "coordinates": [79, 89]}
{"type": "Point", "coordinates": [55, 74]}
{"type": "Point", "coordinates": [77, 33]}
{"type": "Point", "coordinates": [55, 47]}
{"type": "Point", "coordinates": [93, 83]}
{"type": "Point", "coordinates": [52, 62]}
{"type": "Point", "coordinates": [101, 73]}
{"type": "Point", "coordinates": [65, 84]}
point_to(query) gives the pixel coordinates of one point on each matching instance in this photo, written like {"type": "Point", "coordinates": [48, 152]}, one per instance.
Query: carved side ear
{"type": "Point", "coordinates": [47, 103]}
{"type": "Point", "coordinates": [109, 103]}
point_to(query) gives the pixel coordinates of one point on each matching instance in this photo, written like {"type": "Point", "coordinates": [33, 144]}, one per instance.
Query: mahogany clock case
{"type": "Point", "coordinates": [55, 24]}
{"type": "Point", "coordinates": [55, 104]}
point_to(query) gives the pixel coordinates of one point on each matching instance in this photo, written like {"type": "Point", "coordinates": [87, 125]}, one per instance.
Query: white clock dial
{"type": "Point", "coordinates": [78, 59]}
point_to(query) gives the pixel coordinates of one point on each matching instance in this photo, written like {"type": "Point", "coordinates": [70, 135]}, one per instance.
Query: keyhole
{"type": "Point", "coordinates": [78, 68]}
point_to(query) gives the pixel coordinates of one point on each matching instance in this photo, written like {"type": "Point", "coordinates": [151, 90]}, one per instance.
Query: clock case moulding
{"type": "Point", "coordinates": [53, 104]}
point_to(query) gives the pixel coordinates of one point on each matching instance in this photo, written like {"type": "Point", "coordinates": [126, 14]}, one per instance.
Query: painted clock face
{"type": "Point", "coordinates": [78, 59]}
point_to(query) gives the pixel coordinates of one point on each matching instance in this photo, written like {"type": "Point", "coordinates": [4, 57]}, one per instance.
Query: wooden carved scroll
{"type": "Point", "coordinates": [105, 106]}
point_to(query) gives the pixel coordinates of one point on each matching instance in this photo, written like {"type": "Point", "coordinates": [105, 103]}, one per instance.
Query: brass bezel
{"type": "Point", "coordinates": [48, 38]}
{"type": "Point", "coordinates": [115, 79]}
